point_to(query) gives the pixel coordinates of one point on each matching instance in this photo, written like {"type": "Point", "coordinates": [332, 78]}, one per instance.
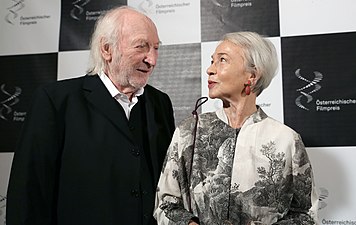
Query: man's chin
{"type": "Point", "coordinates": [138, 85]}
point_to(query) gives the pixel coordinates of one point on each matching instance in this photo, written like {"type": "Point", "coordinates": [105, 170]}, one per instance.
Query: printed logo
{"type": "Point", "coordinates": [13, 11]}
{"type": "Point", "coordinates": [307, 90]}
{"type": "Point", "coordinates": [78, 8]}
{"type": "Point", "coordinates": [220, 3]}
{"type": "Point", "coordinates": [145, 6]}
{"type": "Point", "coordinates": [323, 195]}
{"type": "Point", "coordinates": [232, 3]}
{"type": "Point", "coordinates": [11, 100]}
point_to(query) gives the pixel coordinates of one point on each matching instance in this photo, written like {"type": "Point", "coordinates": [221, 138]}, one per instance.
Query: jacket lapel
{"type": "Point", "coordinates": [97, 94]}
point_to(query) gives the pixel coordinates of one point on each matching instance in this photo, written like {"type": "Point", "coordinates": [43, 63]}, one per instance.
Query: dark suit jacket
{"type": "Point", "coordinates": [74, 163]}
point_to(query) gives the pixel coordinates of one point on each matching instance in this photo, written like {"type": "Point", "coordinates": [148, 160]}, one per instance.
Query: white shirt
{"type": "Point", "coordinates": [124, 101]}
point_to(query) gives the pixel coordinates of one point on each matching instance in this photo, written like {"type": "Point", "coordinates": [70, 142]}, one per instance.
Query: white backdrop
{"type": "Point", "coordinates": [29, 28]}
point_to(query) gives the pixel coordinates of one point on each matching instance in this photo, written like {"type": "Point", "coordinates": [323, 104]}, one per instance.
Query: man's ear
{"type": "Point", "coordinates": [105, 49]}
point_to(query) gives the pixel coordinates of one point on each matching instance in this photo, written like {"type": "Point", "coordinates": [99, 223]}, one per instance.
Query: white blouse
{"type": "Point", "coordinates": [259, 174]}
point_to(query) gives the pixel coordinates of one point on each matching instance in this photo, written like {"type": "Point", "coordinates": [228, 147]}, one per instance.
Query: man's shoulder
{"type": "Point", "coordinates": [68, 87]}
{"type": "Point", "coordinates": [68, 82]}
{"type": "Point", "coordinates": [72, 83]}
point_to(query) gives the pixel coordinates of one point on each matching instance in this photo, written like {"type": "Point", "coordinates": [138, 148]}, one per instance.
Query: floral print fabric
{"type": "Point", "coordinates": [259, 174]}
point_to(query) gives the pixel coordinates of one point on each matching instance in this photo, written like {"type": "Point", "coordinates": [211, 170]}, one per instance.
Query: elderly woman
{"type": "Point", "coordinates": [237, 165]}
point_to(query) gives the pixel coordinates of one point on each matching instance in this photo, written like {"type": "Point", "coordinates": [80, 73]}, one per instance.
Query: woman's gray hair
{"type": "Point", "coordinates": [107, 30]}
{"type": "Point", "coordinates": [260, 55]}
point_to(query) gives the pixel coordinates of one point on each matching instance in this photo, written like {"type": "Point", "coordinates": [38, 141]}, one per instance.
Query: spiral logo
{"type": "Point", "coordinates": [221, 3]}
{"type": "Point", "coordinates": [323, 196]}
{"type": "Point", "coordinates": [78, 8]}
{"type": "Point", "coordinates": [12, 99]}
{"type": "Point", "coordinates": [13, 11]}
{"type": "Point", "coordinates": [145, 6]}
{"type": "Point", "coordinates": [307, 90]}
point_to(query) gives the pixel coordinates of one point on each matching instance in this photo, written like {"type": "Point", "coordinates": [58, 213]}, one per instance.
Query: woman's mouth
{"type": "Point", "coordinates": [211, 84]}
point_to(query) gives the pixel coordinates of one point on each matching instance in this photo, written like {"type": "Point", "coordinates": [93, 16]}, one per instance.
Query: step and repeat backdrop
{"type": "Point", "coordinates": [314, 91]}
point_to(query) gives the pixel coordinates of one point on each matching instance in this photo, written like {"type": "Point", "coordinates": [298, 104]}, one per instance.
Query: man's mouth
{"type": "Point", "coordinates": [143, 70]}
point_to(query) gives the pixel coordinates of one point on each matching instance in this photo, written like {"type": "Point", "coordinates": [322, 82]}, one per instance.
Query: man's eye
{"type": "Point", "coordinates": [222, 59]}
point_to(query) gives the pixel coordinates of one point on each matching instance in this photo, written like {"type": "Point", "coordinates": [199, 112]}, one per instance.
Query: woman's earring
{"type": "Point", "coordinates": [248, 87]}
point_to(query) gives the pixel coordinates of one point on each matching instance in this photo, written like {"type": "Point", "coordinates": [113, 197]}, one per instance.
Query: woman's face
{"type": "Point", "coordinates": [227, 74]}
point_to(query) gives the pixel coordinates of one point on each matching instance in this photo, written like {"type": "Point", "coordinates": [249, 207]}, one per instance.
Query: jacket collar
{"type": "Point", "coordinates": [100, 98]}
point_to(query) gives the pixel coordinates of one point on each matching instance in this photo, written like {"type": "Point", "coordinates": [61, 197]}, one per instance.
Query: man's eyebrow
{"type": "Point", "coordinates": [142, 40]}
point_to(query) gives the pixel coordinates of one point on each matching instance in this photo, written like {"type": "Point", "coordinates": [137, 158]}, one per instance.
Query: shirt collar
{"type": "Point", "coordinates": [114, 92]}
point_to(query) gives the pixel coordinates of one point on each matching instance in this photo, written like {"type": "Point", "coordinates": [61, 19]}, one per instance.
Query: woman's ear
{"type": "Point", "coordinates": [253, 78]}
{"type": "Point", "coordinates": [105, 49]}
{"type": "Point", "coordinates": [255, 75]}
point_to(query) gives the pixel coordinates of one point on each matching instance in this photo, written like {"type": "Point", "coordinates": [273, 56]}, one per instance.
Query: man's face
{"type": "Point", "coordinates": [135, 57]}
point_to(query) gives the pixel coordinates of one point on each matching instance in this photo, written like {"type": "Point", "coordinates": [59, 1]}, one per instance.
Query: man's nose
{"type": "Point", "coordinates": [151, 57]}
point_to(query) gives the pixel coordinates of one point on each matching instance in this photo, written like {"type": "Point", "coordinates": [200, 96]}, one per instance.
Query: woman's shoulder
{"type": "Point", "coordinates": [273, 127]}
{"type": "Point", "coordinates": [271, 124]}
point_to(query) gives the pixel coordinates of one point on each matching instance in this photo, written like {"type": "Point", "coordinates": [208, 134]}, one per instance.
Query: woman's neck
{"type": "Point", "coordinates": [237, 113]}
